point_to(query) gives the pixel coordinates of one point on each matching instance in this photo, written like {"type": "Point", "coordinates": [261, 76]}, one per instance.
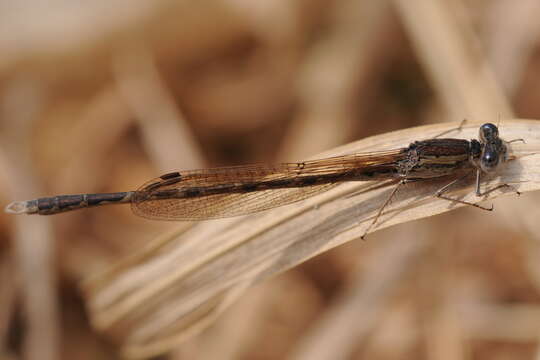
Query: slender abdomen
{"type": "Point", "coordinates": [62, 203]}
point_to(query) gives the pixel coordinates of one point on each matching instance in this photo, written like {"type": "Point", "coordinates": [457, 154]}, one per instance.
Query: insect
{"type": "Point", "coordinates": [239, 190]}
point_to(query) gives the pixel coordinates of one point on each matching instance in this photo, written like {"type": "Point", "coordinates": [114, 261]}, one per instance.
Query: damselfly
{"type": "Point", "coordinates": [239, 190]}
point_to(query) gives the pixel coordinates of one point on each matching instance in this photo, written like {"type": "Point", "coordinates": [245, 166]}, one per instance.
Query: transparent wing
{"type": "Point", "coordinates": [223, 205]}
{"type": "Point", "coordinates": [247, 198]}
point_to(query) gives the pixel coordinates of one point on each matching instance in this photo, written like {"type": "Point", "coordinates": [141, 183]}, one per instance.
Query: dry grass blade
{"type": "Point", "coordinates": [170, 291]}
{"type": "Point", "coordinates": [338, 331]}
{"type": "Point", "coordinates": [450, 52]}
{"type": "Point", "coordinates": [33, 254]}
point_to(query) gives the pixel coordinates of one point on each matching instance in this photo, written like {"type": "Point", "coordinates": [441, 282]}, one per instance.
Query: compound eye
{"type": "Point", "coordinates": [488, 132]}
{"type": "Point", "coordinates": [490, 160]}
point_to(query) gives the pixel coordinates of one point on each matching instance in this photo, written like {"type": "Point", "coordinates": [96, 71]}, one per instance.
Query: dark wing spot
{"type": "Point", "coordinates": [170, 175]}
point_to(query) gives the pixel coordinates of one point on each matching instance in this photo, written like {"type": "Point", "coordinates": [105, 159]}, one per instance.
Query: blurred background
{"type": "Point", "coordinates": [103, 96]}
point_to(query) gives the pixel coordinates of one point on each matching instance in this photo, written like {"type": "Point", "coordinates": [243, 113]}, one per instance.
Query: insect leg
{"type": "Point", "coordinates": [460, 126]}
{"type": "Point", "coordinates": [439, 193]}
{"type": "Point", "coordinates": [379, 213]}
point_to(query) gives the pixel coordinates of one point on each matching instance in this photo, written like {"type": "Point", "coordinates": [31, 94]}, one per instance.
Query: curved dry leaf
{"type": "Point", "coordinates": [171, 290]}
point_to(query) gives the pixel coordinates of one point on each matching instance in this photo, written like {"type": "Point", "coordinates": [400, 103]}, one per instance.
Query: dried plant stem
{"type": "Point", "coordinates": [170, 292]}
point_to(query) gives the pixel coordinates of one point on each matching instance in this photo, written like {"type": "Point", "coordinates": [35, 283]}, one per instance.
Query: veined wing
{"type": "Point", "coordinates": [239, 190]}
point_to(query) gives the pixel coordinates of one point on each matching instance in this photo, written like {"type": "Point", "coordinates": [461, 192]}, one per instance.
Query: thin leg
{"type": "Point", "coordinates": [480, 193]}
{"type": "Point", "coordinates": [499, 187]}
{"type": "Point", "coordinates": [445, 188]}
{"type": "Point", "coordinates": [379, 213]}
{"type": "Point", "coordinates": [455, 129]}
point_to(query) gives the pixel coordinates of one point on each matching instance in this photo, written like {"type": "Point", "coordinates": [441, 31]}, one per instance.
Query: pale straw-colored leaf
{"type": "Point", "coordinates": [178, 284]}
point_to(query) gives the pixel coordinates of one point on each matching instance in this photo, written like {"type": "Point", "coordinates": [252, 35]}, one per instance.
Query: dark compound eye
{"type": "Point", "coordinates": [490, 159]}
{"type": "Point", "coordinates": [488, 132]}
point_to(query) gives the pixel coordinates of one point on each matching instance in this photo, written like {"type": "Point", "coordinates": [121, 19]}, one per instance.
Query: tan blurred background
{"type": "Point", "coordinates": [103, 96]}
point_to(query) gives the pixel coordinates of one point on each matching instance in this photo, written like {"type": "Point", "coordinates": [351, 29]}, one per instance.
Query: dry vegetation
{"type": "Point", "coordinates": [101, 97]}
